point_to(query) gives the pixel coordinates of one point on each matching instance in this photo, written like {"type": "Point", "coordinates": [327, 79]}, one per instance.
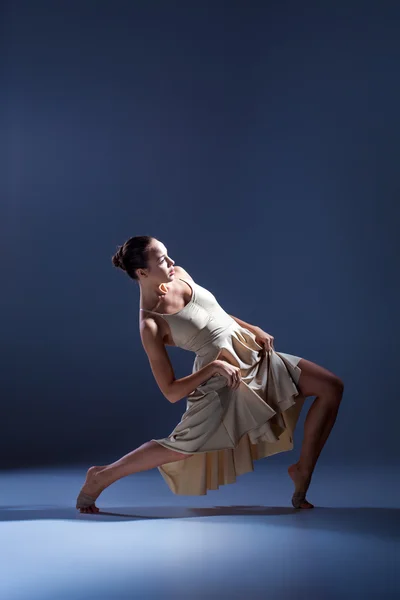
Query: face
{"type": "Point", "coordinates": [160, 265]}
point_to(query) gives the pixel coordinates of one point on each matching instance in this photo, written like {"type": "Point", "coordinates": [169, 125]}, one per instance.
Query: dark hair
{"type": "Point", "coordinates": [133, 254]}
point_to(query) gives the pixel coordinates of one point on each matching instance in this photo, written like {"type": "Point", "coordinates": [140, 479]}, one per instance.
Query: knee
{"type": "Point", "coordinates": [338, 385]}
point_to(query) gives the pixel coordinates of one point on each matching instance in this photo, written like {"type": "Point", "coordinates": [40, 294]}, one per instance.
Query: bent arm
{"type": "Point", "coordinates": [173, 389]}
{"type": "Point", "coordinates": [244, 324]}
{"type": "Point", "coordinates": [186, 385]}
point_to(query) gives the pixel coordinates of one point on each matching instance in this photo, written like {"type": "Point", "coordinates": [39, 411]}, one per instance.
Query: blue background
{"type": "Point", "coordinates": [259, 141]}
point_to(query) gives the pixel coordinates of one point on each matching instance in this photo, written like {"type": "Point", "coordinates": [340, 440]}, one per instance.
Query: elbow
{"type": "Point", "coordinates": [171, 395]}
{"type": "Point", "coordinates": [172, 398]}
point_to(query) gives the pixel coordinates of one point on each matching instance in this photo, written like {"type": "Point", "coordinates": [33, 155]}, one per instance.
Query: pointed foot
{"type": "Point", "coordinates": [301, 481]}
{"type": "Point", "coordinates": [90, 491]}
{"type": "Point", "coordinates": [86, 504]}
{"type": "Point", "coordinates": [299, 501]}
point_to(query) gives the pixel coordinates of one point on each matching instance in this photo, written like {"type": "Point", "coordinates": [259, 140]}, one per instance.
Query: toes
{"type": "Point", "coordinates": [92, 509]}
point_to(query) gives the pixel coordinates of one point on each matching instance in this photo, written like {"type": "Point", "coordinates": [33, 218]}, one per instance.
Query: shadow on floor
{"type": "Point", "coordinates": [379, 522]}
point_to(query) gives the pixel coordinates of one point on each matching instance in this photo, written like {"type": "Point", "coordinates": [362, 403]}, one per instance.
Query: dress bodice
{"type": "Point", "coordinates": [201, 325]}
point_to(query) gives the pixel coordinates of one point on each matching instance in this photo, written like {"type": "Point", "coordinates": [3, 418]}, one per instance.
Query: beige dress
{"type": "Point", "coordinates": [227, 429]}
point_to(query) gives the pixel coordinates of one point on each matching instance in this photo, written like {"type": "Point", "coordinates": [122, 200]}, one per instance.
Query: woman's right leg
{"type": "Point", "coordinates": [147, 456]}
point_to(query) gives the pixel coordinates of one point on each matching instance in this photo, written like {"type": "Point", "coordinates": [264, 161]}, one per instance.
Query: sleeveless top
{"type": "Point", "coordinates": [202, 326]}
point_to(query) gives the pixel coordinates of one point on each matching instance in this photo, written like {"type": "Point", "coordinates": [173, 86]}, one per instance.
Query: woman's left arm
{"type": "Point", "coordinates": [244, 324]}
{"type": "Point", "coordinates": [262, 338]}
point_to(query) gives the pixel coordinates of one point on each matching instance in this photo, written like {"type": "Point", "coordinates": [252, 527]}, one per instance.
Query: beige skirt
{"type": "Point", "coordinates": [226, 430]}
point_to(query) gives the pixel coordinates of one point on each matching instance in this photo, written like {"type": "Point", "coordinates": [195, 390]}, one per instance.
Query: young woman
{"type": "Point", "coordinates": [243, 397]}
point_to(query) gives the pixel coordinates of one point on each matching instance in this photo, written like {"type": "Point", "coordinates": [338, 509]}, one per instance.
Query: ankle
{"type": "Point", "coordinates": [304, 469]}
{"type": "Point", "coordinates": [109, 475]}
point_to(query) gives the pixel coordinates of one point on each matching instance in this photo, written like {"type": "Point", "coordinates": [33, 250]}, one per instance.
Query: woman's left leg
{"type": "Point", "coordinates": [328, 389]}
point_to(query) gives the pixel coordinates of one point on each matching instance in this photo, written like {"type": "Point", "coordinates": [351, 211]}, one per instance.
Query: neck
{"type": "Point", "coordinates": [151, 295]}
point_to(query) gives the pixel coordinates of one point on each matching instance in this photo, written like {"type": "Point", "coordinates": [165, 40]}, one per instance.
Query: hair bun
{"type": "Point", "coordinates": [133, 255]}
{"type": "Point", "coordinates": [117, 259]}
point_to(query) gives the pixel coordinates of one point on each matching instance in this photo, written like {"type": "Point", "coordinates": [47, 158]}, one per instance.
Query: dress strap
{"type": "Point", "coordinates": [166, 314]}
{"type": "Point", "coordinates": [153, 312]}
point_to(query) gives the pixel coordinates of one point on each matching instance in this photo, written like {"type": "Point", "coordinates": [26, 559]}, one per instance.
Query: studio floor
{"type": "Point", "coordinates": [243, 541]}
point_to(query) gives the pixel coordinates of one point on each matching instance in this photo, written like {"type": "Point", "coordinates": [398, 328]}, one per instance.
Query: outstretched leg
{"type": "Point", "coordinates": [321, 416]}
{"type": "Point", "coordinates": [147, 456]}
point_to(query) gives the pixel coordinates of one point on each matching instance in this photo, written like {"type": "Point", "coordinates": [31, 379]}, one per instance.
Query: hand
{"type": "Point", "coordinates": [232, 373]}
{"type": "Point", "coordinates": [264, 339]}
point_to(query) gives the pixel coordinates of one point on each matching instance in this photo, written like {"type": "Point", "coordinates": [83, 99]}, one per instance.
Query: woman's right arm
{"type": "Point", "coordinates": [172, 388]}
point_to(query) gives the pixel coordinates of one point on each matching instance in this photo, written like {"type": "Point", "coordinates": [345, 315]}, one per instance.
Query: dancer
{"type": "Point", "coordinates": [243, 397]}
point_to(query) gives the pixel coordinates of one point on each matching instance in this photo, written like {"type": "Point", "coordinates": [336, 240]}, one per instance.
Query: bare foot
{"type": "Point", "coordinates": [93, 487]}
{"type": "Point", "coordinates": [301, 482]}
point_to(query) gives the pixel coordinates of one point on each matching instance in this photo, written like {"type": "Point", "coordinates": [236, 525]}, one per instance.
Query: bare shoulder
{"type": "Point", "coordinates": [151, 335]}
{"type": "Point", "coordinates": [181, 272]}
{"type": "Point", "coordinates": [160, 363]}
{"type": "Point", "coordinates": [154, 330]}
{"type": "Point", "coordinates": [152, 338]}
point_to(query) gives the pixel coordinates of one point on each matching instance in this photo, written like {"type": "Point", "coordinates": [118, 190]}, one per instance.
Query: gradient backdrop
{"type": "Point", "coordinates": [260, 142]}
